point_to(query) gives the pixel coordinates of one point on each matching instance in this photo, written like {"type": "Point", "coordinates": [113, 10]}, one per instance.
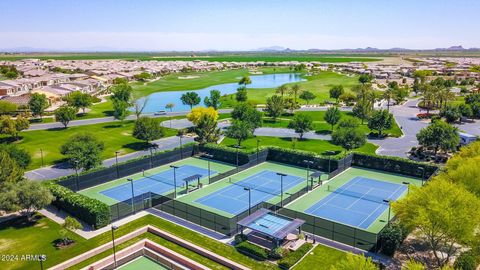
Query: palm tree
{"type": "Point", "coordinates": [388, 95]}
{"type": "Point", "coordinates": [295, 90]}
{"type": "Point", "coordinates": [245, 80]}
{"type": "Point", "coordinates": [282, 89]}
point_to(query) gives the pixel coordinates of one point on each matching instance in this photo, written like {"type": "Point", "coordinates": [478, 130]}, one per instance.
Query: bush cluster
{"type": "Point", "coordinates": [390, 238]}
{"type": "Point", "coordinates": [91, 211]}
{"type": "Point", "coordinates": [293, 257]}
{"type": "Point", "coordinates": [252, 250]}
{"type": "Point", "coordinates": [239, 238]}
{"type": "Point", "coordinates": [225, 154]}
{"type": "Point", "coordinates": [468, 260]}
{"type": "Point", "coordinates": [296, 158]}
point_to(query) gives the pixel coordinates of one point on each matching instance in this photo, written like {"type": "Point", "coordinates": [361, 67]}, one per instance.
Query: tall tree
{"type": "Point", "coordinates": [301, 123]}
{"type": "Point", "coordinates": [336, 91]}
{"type": "Point", "coordinates": [147, 129]}
{"type": "Point", "coordinates": [79, 100]}
{"type": "Point", "coordinates": [83, 151]}
{"type": "Point", "coordinates": [65, 114]}
{"type": "Point", "coordinates": [348, 137]}
{"type": "Point", "coordinates": [389, 93]}
{"type": "Point", "coordinates": [282, 90]}
{"type": "Point", "coordinates": [332, 116]}
{"type": "Point", "coordinates": [122, 100]}
{"type": "Point", "coordinates": [242, 94]}
{"type": "Point", "coordinates": [244, 81]}
{"type": "Point", "coordinates": [38, 103]}
{"type": "Point", "coordinates": [239, 130]}
{"type": "Point", "coordinates": [443, 214]}
{"type": "Point", "coordinates": [275, 107]}
{"type": "Point", "coordinates": [365, 79]}
{"type": "Point", "coordinates": [190, 98]}
{"type": "Point", "coordinates": [362, 110]}
{"type": "Point", "coordinates": [139, 105]}
{"type": "Point", "coordinates": [380, 120]}
{"type": "Point", "coordinates": [19, 155]}
{"type": "Point", "coordinates": [307, 96]}
{"type": "Point", "coordinates": [10, 172]}
{"type": "Point", "coordinates": [170, 106]}
{"type": "Point", "coordinates": [7, 107]}
{"type": "Point", "coordinates": [207, 130]}
{"type": "Point", "coordinates": [198, 112]}
{"type": "Point", "coordinates": [213, 100]}
{"type": "Point", "coordinates": [295, 90]}
{"type": "Point", "coordinates": [439, 136]}
{"type": "Point", "coordinates": [32, 196]}
{"type": "Point", "coordinates": [247, 113]}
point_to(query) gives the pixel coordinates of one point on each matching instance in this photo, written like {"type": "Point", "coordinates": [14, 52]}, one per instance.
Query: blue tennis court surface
{"type": "Point", "coordinates": [158, 183]}
{"type": "Point", "coordinates": [358, 202]}
{"type": "Point", "coordinates": [264, 186]}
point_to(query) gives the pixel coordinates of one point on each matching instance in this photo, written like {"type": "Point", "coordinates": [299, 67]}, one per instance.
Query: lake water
{"type": "Point", "coordinates": [157, 101]}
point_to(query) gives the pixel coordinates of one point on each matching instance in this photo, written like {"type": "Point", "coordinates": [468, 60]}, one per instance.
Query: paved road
{"type": "Point", "coordinates": [63, 169]}
{"type": "Point", "coordinates": [288, 133]}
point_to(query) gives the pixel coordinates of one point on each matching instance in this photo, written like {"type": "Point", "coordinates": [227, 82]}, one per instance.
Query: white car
{"type": "Point", "coordinates": [160, 113]}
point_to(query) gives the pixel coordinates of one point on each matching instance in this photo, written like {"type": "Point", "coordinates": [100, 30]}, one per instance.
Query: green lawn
{"type": "Point", "coordinates": [20, 238]}
{"type": "Point", "coordinates": [116, 136]}
{"type": "Point", "coordinates": [142, 263]}
{"type": "Point", "coordinates": [317, 146]}
{"type": "Point", "coordinates": [319, 84]}
{"type": "Point", "coordinates": [322, 257]}
{"type": "Point", "coordinates": [322, 127]}
{"type": "Point", "coordinates": [43, 120]}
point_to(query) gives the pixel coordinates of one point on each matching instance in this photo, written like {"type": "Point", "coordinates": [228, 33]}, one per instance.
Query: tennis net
{"type": "Point", "coordinates": [359, 195]}
{"type": "Point", "coordinates": [269, 190]}
{"type": "Point", "coordinates": [168, 181]}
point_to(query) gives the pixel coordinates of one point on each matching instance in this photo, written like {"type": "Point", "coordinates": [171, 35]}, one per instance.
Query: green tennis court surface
{"type": "Point", "coordinates": [155, 180]}
{"type": "Point", "coordinates": [143, 263]}
{"type": "Point", "coordinates": [228, 197]}
{"type": "Point", "coordinates": [355, 198]}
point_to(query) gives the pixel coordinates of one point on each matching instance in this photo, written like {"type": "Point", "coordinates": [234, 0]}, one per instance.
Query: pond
{"type": "Point", "coordinates": [157, 101]}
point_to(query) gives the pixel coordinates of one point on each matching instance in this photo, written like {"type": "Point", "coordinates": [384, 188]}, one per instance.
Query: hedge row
{"type": "Point", "coordinates": [226, 154]}
{"type": "Point", "coordinates": [393, 164]}
{"type": "Point", "coordinates": [296, 158]}
{"type": "Point", "coordinates": [252, 250]}
{"type": "Point", "coordinates": [91, 211]}
{"type": "Point", "coordinates": [293, 257]}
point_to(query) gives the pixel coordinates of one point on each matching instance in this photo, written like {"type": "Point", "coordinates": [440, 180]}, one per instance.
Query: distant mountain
{"type": "Point", "coordinates": [271, 49]}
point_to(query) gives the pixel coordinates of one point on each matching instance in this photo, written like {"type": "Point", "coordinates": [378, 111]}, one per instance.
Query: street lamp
{"type": "Point", "coordinates": [151, 156]}
{"type": "Point", "coordinates": [174, 180]}
{"type": "Point", "coordinates": [42, 258]}
{"type": "Point", "coordinates": [116, 163]}
{"type": "Point", "coordinates": [76, 173]}
{"type": "Point", "coordinates": [41, 155]}
{"type": "Point", "coordinates": [237, 146]}
{"type": "Point", "coordinates": [281, 187]}
{"type": "Point", "coordinates": [330, 154]}
{"type": "Point", "coordinates": [133, 195]}
{"type": "Point", "coordinates": [249, 199]}
{"type": "Point", "coordinates": [308, 162]}
{"type": "Point", "coordinates": [114, 227]}
{"type": "Point", "coordinates": [408, 186]}
{"type": "Point", "coordinates": [389, 208]}
{"type": "Point", "coordinates": [423, 174]}
{"type": "Point", "coordinates": [208, 156]}
{"type": "Point", "coordinates": [181, 149]}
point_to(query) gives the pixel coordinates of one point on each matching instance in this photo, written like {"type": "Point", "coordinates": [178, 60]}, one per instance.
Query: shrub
{"type": "Point", "coordinates": [391, 238]}
{"type": "Point", "coordinates": [291, 259]}
{"type": "Point", "coordinates": [252, 250]}
{"type": "Point", "coordinates": [239, 238]}
{"type": "Point", "coordinates": [225, 154]}
{"type": "Point", "coordinates": [91, 211]}
{"type": "Point", "coordinates": [277, 253]}
{"type": "Point", "coordinates": [467, 261]}
{"type": "Point", "coordinates": [296, 158]}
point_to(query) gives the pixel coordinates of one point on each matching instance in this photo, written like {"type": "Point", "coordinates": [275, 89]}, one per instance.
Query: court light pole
{"type": "Point", "coordinates": [408, 186]}
{"type": "Point", "coordinates": [249, 199]}
{"type": "Point", "coordinates": [133, 195]}
{"type": "Point", "coordinates": [114, 227]}
{"type": "Point", "coordinates": [151, 156]}
{"type": "Point", "coordinates": [258, 142]}
{"type": "Point", "coordinates": [423, 174]}
{"type": "Point", "coordinates": [281, 187]}
{"type": "Point", "coordinates": [76, 173]}
{"type": "Point", "coordinates": [116, 163]}
{"type": "Point", "coordinates": [309, 163]}
{"type": "Point", "coordinates": [174, 180]}
{"type": "Point", "coordinates": [208, 156]}
{"type": "Point", "coordinates": [330, 154]}
{"type": "Point", "coordinates": [181, 149]}
{"type": "Point", "coordinates": [389, 208]}
{"type": "Point", "coordinates": [237, 146]}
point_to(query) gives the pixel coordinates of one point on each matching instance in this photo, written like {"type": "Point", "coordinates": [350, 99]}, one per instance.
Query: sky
{"type": "Point", "coordinates": [194, 25]}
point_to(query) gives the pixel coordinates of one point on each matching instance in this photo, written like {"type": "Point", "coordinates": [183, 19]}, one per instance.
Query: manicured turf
{"type": "Point", "coordinates": [322, 257]}
{"type": "Point", "coordinates": [95, 192]}
{"type": "Point", "coordinates": [40, 238]}
{"type": "Point", "coordinates": [271, 166]}
{"type": "Point", "coordinates": [316, 146]}
{"type": "Point", "coordinates": [116, 136]}
{"type": "Point", "coordinates": [322, 127]}
{"type": "Point", "coordinates": [142, 263]}
{"type": "Point", "coordinates": [303, 203]}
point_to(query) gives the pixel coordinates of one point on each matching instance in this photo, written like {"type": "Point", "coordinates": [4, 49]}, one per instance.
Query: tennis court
{"type": "Point", "coordinates": [158, 183]}
{"type": "Point", "coordinates": [234, 199]}
{"type": "Point", "coordinates": [357, 203]}
{"type": "Point", "coordinates": [158, 180]}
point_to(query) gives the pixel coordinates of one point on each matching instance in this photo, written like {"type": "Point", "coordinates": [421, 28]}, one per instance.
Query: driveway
{"type": "Point", "coordinates": [63, 169]}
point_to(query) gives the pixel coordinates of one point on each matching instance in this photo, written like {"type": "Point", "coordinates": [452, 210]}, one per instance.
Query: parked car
{"type": "Point", "coordinates": [160, 113]}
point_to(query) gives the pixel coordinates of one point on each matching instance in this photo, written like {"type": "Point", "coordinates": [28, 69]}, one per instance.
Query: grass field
{"type": "Point", "coordinates": [94, 192]}
{"type": "Point", "coordinates": [322, 257]}
{"type": "Point", "coordinates": [319, 84]}
{"type": "Point", "coordinates": [116, 137]}
{"type": "Point", "coordinates": [316, 146]}
{"type": "Point", "coordinates": [142, 262]}
{"type": "Point", "coordinates": [309, 199]}
{"type": "Point", "coordinates": [322, 127]}
{"type": "Point", "coordinates": [41, 235]}
{"type": "Point", "coordinates": [221, 57]}
{"type": "Point", "coordinates": [272, 166]}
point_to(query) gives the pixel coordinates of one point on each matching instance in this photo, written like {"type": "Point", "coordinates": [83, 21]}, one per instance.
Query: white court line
{"type": "Point", "coordinates": [348, 184]}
